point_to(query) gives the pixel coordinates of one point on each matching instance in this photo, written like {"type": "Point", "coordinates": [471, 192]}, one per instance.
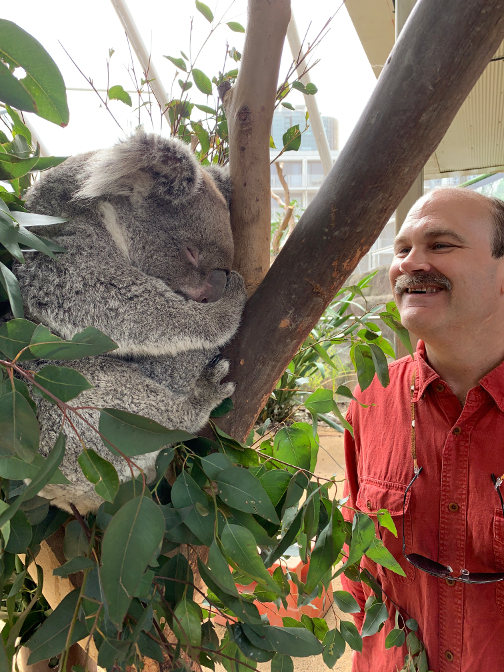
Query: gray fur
{"type": "Point", "coordinates": [136, 209]}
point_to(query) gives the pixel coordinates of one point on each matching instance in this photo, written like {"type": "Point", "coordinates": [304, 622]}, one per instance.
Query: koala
{"type": "Point", "coordinates": [148, 261]}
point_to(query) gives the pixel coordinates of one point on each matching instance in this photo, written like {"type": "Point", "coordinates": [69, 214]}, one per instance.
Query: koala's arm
{"type": "Point", "coordinates": [93, 283]}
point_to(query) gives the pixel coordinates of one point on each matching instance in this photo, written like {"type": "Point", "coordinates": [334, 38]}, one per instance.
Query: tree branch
{"type": "Point", "coordinates": [249, 109]}
{"type": "Point", "coordinates": [438, 58]}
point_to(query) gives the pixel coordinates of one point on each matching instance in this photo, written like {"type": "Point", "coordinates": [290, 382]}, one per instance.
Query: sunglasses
{"type": "Point", "coordinates": [446, 572]}
{"type": "Point", "coordinates": [425, 564]}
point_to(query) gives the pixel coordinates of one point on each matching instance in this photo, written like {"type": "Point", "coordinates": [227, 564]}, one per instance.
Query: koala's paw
{"type": "Point", "coordinates": [209, 391]}
{"type": "Point", "coordinates": [235, 287]}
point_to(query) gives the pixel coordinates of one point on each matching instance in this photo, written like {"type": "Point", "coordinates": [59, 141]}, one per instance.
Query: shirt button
{"type": "Point", "coordinates": [440, 388]}
{"type": "Point", "coordinates": [368, 504]}
{"type": "Point", "coordinates": [453, 507]}
{"type": "Point", "coordinates": [450, 582]}
{"type": "Point", "coordinates": [449, 656]}
{"type": "Point", "coordinates": [457, 430]}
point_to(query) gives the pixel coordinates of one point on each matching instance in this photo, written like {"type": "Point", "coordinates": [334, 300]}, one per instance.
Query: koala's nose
{"type": "Point", "coordinates": [214, 287]}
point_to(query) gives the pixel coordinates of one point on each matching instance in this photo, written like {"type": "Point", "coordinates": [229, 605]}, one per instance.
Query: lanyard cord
{"type": "Point", "coordinates": [413, 433]}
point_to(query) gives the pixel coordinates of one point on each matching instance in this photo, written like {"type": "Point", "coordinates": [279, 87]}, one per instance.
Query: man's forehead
{"type": "Point", "coordinates": [461, 216]}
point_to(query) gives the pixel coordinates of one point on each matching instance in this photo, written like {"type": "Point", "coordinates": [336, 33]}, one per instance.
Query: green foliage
{"type": "Point", "coordinates": [339, 327]}
{"type": "Point", "coordinates": [42, 90]}
{"type": "Point", "coordinates": [213, 500]}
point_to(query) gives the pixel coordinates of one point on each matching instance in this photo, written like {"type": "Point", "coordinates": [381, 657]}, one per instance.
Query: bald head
{"type": "Point", "coordinates": [480, 206]}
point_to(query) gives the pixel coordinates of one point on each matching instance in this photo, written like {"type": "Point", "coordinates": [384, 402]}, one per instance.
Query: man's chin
{"type": "Point", "coordinates": [417, 322]}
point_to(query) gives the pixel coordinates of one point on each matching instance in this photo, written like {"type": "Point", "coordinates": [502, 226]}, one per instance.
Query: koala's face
{"type": "Point", "coordinates": [187, 244]}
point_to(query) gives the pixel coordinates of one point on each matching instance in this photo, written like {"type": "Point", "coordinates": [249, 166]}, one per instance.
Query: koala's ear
{"type": "Point", "coordinates": [144, 165]}
{"type": "Point", "coordinates": [220, 175]}
{"type": "Point", "coordinates": [52, 193]}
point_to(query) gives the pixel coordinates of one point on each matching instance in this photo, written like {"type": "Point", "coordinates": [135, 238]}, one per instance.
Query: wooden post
{"type": "Point", "coordinates": [438, 58]}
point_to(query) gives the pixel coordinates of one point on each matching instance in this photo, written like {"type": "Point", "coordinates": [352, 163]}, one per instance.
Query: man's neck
{"type": "Point", "coordinates": [462, 366]}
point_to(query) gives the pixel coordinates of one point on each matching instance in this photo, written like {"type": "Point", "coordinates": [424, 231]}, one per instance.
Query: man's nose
{"type": "Point", "coordinates": [415, 261]}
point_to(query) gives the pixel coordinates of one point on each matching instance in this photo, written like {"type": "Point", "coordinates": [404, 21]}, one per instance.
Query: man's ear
{"type": "Point", "coordinates": [144, 165]}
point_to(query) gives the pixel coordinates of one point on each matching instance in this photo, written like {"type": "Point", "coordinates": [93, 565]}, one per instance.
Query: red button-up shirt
{"type": "Point", "coordinates": [453, 513]}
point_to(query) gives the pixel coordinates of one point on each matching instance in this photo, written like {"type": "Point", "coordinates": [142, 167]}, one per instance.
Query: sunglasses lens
{"type": "Point", "coordinates": [428, 566]}
{"type": "Point", "coordinates": [485, 578]}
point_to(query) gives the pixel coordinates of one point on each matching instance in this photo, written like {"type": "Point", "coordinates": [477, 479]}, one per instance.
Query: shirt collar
{"type": "Point", "coordinates": [493, 382]}
{"type": "Point", "coordinates": [425, 374]}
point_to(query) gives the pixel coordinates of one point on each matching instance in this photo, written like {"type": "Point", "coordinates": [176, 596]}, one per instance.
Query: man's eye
{"type": "Point", "coordinates": [441, 246]}
{"type": "Point", "coordinates": [402, 252]}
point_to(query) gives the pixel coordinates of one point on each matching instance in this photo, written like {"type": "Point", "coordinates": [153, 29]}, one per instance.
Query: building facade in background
{"type": "Point", "coordinates": [302, 169]}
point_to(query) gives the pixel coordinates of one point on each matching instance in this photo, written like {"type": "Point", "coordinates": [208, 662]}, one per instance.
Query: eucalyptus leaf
{"type": "Point", "coordinates": [99, 471]}
{"type": "Point", "coordinates": [186, 493]}
{"type": "Point", "coordinates": [351, 635]}
{"type": "Point", "coordinates": [135, 435]}
{"type": "Point", "coordinates": [241, 490]}
{"type": "Point", "coordinates": [382, 556]}
{"type": "Point", "coordinates": [187, 622]}
{"type": "Point", "coordinates": [11, 286]}
{"type": "Point", "coordinates": [87, 343]}
{"type": "Point", "coordinates": [292, 139]}
{"type": "Point", "coordinates": [235, 27]}
{"type": "Point", "coordinates": [132, 537]}
{"type": "Point", "coordinates": [395, 637]}
{"type": "Point", "coordinates": [240, 547]}
{"type": "Point", "coordinates": [380, 364]}
{"type": "Point", "coordinates": [215, 463]}
{"type": "Point", "coordinates": [375, 616]}
{"type": "Point", "coordinates": [43, 81]}
{"type": "Point", "coordinates": [296, 642]}
{"type": "Point", "coordinates": [321, 401]}
{"type": "Point", "coordinates": [177, 62]}
{"type": "Point", "coordinates": [202, 82]}
{"type": "Point", "coordinates": [64, 383]}
{"type": "Point", "coordinates": [291, 445]}
{"type": "Point", "coordinates": [50, 639]}
{"type": "Point", "coordinates": [334, 647]}
{"type": "Point", "coordinates": [16, 469]}
{"type": "Point", "coordinates": [206, 11]}
{"type": "Point", "coordinates": [19, 430]}
{"type": "Point", "coordinates": [118, 93]}
{"type": "Point", "coordinates": [346, 602]}
{"type": "Point", "coordinates": [77, 564]}
{"type": "Point", "coordinates": [282, 663]}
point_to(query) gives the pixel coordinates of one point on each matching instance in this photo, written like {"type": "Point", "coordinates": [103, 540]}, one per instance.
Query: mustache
{"type": "Point", "coordinates": [405, 282]}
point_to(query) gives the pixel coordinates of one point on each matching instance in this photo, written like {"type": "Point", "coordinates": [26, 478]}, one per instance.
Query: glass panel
{"type": "Point", "coordinates": [293, 173]}
{"type": "Point", "coordinates": [315, 173]}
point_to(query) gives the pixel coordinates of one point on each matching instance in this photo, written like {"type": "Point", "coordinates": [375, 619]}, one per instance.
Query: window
{"type": "Point", "coordinates": [293, 172]}
{"type": "Point", "coordinates": [315, 173]}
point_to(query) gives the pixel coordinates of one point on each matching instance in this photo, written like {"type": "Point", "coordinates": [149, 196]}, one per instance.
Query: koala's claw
{"type": "Point", "coordinates": [214, 374]}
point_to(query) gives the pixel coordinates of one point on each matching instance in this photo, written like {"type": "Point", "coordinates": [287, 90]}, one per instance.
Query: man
{"type": "Point", "coordinates": [448, 283]}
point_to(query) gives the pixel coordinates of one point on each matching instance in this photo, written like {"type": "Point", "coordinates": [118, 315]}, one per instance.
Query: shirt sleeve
{"type": "Point", "coordinates": [351, 489]}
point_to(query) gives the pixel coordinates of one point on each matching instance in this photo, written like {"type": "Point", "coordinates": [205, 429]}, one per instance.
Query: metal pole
{"type": "Point", "coordinates": [311, 103]}
{"type": "Point", "coordinates": [140, 50]}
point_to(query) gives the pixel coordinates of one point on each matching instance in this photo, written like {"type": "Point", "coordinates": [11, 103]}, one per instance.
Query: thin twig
{"type": "Point", "coordinates": [90, 82]}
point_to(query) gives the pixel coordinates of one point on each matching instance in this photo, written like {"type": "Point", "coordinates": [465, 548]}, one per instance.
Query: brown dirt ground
{"type": "Point", "coordinates": [331, 461]}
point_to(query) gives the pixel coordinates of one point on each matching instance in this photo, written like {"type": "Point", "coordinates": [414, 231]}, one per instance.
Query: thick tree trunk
{"type": "Point", "coordinates": [440, 54]}
{"type": "Point", "coordinates": [249, 109]}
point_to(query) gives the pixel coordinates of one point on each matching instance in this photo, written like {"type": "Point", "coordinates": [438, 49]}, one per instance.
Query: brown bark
{"type": "Point", "coordinates": [438, 58]}
{"type": "Point", "coordinates": [249, 109]}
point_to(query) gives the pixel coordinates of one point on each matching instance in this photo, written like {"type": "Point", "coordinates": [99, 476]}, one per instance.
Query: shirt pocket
{"type": "Point", "coordinates": [375, 495]}
{"type": "Point", "coordinates": [498, 542]}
